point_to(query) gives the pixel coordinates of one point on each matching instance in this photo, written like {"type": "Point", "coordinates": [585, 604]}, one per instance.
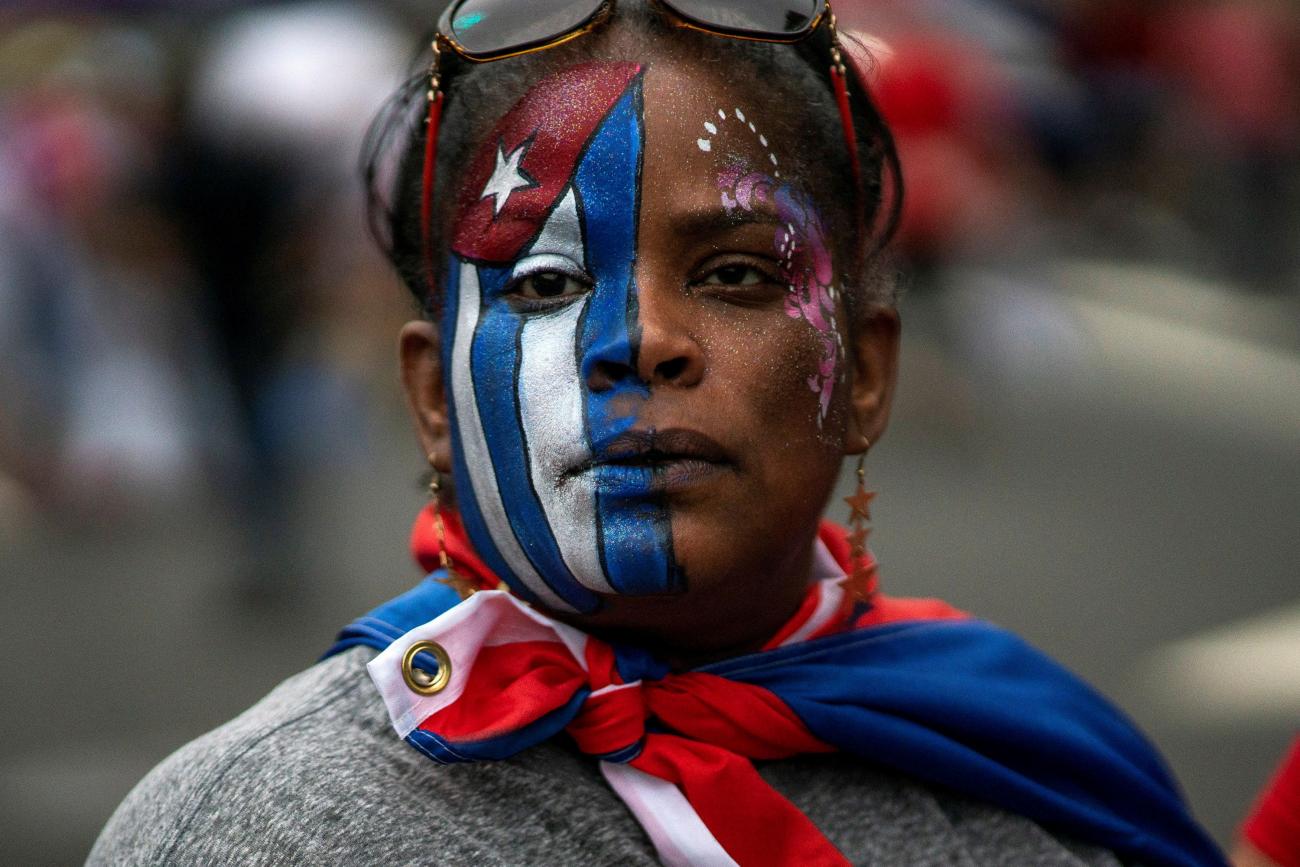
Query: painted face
{"type": "Point", "coordinates": [559, 202]}
{"type": "Point", "coordinates": [587, 321]}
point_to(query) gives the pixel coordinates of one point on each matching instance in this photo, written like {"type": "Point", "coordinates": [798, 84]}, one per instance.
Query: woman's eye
{"type": "Point", "coordinates": [748, 282]}
{"type": "Point", "coordinates": [735, 275]}
{"type": "Point", "coordinates": [548, 284]}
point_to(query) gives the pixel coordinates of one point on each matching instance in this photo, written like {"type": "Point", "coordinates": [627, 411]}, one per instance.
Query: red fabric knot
{"type": "Point", "coordinates": [612, 720]}
{"type": "Point", "coordinates": [517, 667]}
{"type": "Point", "coordinates": [717, 727]}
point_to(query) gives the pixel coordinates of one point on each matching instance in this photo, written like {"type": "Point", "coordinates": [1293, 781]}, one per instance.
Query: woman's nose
{"type": "Point", "coordinates": [669, 354]}
{"type": "Point", "coordinates": [656, 349]}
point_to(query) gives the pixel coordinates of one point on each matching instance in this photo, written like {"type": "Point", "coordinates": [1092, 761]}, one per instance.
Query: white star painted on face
{"type": "Point", "coordinates": [507, 177]}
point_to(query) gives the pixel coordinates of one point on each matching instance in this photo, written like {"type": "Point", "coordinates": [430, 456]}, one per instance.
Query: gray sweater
{"type": "Point", "coordinates": [313, 774]}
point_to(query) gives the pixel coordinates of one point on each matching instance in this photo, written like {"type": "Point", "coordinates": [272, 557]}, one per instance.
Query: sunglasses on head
{"type": "Point", "coordinates": [492, 29]}
{"type": "Point", "coordinates": [486, 30]}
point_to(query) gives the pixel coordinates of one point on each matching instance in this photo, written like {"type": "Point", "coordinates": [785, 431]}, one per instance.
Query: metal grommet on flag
{"type": "Point", "coordinates": [419, 680]}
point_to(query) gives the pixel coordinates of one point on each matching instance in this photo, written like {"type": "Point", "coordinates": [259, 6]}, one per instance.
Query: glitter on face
{"type": "Point", "coordinates": [801, 245]}
{"type": "Point", "coordinates": [555, 190]}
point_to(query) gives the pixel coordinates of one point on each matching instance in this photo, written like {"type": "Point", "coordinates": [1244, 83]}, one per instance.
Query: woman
{"type": "Point", "coordinates": [647, 256]}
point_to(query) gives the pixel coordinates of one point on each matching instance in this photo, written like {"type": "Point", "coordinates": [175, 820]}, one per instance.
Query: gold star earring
{"type": "Point", "coordinates": [859, 580]}
{"type": "Point", "coordinates": [453, 578]}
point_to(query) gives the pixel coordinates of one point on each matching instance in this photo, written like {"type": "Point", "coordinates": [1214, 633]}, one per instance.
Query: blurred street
{"type": "Point", "coordinates": [206, 467]}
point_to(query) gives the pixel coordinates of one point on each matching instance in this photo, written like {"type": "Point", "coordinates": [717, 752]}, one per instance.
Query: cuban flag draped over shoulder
{"type": "Point", "coordinates": [912, 685]}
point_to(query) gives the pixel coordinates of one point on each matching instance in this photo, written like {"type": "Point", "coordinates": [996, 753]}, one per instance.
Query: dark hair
{"type": "Point", "coordinates": [477, 94]}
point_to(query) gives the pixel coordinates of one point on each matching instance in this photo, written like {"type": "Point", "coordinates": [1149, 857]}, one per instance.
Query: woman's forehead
{"type": "Point", "coordinates": [702, 130]}
{"type": "Point", "coordinates": [691, 128]}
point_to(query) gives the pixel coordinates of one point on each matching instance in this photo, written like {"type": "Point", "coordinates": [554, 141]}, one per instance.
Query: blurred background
{"type": "Point", "coordinates": [206, 469]}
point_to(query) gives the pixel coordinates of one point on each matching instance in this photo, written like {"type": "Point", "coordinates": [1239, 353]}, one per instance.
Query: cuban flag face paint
{"type": "Point", "coordinates": [539, 391]}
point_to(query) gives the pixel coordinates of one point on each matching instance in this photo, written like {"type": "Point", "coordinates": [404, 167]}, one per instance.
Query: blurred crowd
{"type": "Point", "coordinates": [188, 297]}
{"type": "Point", "coordinates": [1162, 129]}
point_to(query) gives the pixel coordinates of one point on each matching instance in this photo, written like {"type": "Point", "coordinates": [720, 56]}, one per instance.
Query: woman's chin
{"type": "Point", "coordinates": [728, 604]}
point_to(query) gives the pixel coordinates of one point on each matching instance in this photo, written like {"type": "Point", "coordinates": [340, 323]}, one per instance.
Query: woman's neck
{"type": "Point", "coordinates": [729, 618]}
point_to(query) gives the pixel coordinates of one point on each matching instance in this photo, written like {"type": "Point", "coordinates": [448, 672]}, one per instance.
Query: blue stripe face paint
{"type": "Point", "coordinates": [540, 392]}
{"type": "Point", "coordinates": [635, 532]}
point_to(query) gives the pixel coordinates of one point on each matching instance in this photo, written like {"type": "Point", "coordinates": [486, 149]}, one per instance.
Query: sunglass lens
{"type": "Point", "coordinates": [777, 18]}
{"type": "Point", "coordinates": [487, 27]}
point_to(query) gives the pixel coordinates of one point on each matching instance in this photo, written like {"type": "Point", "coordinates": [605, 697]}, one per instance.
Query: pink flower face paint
{"type": "Point", "coordinates": [800, 243]}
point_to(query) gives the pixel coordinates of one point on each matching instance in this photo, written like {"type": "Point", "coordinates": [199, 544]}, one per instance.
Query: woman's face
{"type": "Point", "coordinates": [643, 347]}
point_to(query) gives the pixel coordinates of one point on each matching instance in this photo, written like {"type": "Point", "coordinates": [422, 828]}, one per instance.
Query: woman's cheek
{"type": "Point", "coordinates": [809, 390]}
{"type": "Point", "coordinates": [770, 363]}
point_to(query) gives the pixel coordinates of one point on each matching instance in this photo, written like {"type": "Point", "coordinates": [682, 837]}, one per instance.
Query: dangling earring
{"type": "Point", "coordinates": [859, 580]}
{"type": "Point", "coordinates": [452, 579]}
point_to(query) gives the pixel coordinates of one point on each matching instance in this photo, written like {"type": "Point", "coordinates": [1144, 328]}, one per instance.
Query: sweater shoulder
{"type": "Point", "coordinates": [313, 773]}
{"type": "Point", "coordinates": [273, 785]}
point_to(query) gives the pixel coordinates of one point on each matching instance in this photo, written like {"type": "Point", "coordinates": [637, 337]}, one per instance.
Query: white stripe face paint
{"type": "Point", "coordinates": [562, 233]}
{"type": "Point", "coordinates": [551, 408]}
{"type": "Point", "coordinates": [478, 461]}
{"type": "Point", "coordinates": [541, 514]}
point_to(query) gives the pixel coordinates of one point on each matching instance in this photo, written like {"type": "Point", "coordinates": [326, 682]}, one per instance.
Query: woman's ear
{"type": "Point", "coordinates": [873, 362]}
{"type": "Point", "coordinates": [420, 353]}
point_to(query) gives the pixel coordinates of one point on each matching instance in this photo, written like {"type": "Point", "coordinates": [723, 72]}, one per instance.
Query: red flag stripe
{"type": "Point", "coordinates": [754, 823]}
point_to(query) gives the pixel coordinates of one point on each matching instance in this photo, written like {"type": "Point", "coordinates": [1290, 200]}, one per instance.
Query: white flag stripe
{"type": "Point", "coordinates": [551, 406]}
{"type": "Point", "coordinates": [828, 574]}
{"type": "Point", "coordinates": [472, 440]}
{"type": "Point", "coordinates": [679, 834]}
{"type": "Point", "coordinates": [489, 618]}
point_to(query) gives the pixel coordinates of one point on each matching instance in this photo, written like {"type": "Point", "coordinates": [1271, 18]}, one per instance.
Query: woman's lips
{"type": "Point", "coordinates": [627, 481]}
{"type": "Point", "coordinates": [642, 463]}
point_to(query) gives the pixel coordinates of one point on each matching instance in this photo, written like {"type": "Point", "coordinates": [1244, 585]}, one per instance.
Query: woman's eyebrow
{"type": "Point", "coordinates": [719, 221]}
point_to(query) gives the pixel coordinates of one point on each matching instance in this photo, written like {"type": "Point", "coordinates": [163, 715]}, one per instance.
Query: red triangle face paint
{"type": "Point", "coordinates": [529, 157]}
